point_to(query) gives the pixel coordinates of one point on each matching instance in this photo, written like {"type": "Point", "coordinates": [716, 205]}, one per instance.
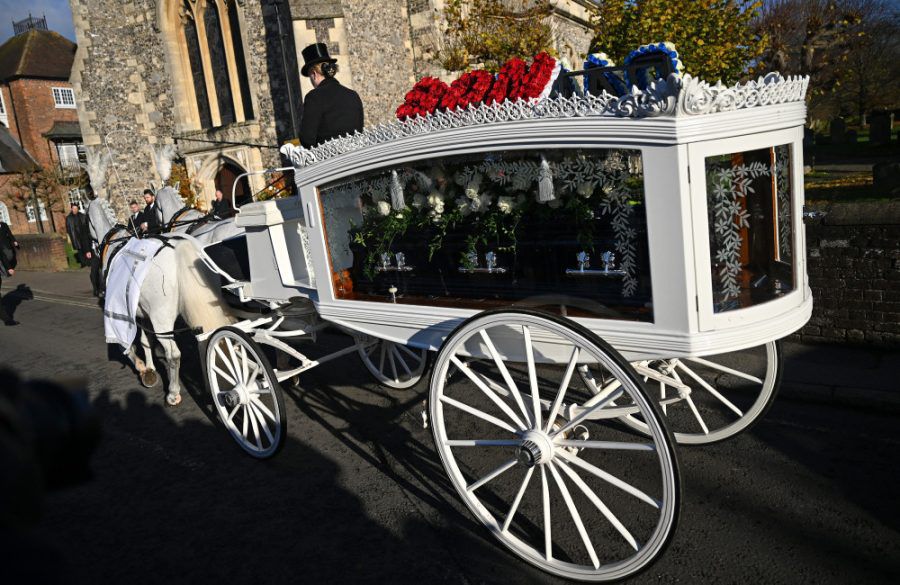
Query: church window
{"type": "Point", "coordinates": [219, 63]}
{"type": "Point", "coordinates": [199, 79]}
{"type": "Point", "coordinates": [238, 44]}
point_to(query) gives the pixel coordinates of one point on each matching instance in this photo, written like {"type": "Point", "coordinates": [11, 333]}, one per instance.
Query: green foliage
{"type": "Point", "coordinates": [490, 32]}
{"type": "Point", "coordinates": [715, 39]}
{"type": "Point", "coordinates": [182, 180]}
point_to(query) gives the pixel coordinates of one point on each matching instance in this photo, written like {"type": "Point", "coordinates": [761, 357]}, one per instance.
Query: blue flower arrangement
{"type": "Point", "coordinates": [602, 60]}
{"type": "Point", "coordinates": [642, 74]}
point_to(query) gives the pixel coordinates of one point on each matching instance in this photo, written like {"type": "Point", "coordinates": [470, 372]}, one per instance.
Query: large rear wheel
{"type": "Point", "coordinates": [531, 451]}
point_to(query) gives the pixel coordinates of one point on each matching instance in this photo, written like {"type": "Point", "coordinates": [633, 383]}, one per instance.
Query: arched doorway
{"type": "Point", "coordinates": [225, 180]}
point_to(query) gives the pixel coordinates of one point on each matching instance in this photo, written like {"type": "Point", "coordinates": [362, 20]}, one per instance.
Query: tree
{"type": "Point", "coordinates": [46, 188]}
{"type": "Point", "coordinates": [850, 50]}
{"type": "Point", "coordinates": [488, 33]}
{"type": "Point", "coordinates": [715, 39]}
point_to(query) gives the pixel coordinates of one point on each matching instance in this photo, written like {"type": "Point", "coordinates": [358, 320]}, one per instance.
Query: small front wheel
{"type": "Point", "coordinates": [245, 392]}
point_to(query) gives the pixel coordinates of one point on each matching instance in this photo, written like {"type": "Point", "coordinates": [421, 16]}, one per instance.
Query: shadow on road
{"type": "Point", "coordinates": [13, 299]}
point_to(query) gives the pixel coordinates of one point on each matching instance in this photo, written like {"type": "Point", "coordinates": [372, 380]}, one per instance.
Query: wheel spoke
{"type": "Point", "coordinates": [563, 387]}
{"type": "Point", "coordinates": [410, 353]}
{"type": "Point", "coordinates": [233, 412]}
{"type": "Point", "coordinates": [245, 363]}
{"type": "Point", "coordinates": [614, 445]}
{"type": "Point", "coordinates": [576, 517]}
{"type": "Point", "coordinates": [262, 422]}
{"type": "Point", "coordinates": [587, 412]}
{"type": "Point", "coordinates": [249, 412]}
{"type": "Point", "coordinates": [532, 377]}
{"type": "Point", "coordinates": [513, 388]}
{"type": "Point", "coordinates": [697, 416]}
{"type": "Point", "coordinates": [219, 371]}
{"type": "Point", "coordinates": [483, 442]}
{"type": "Point", "coordinates": [401, 360]}
{"type": "Point", "coordinates": [475, 412]}
{"type": "Point", "coordinates": [595, 499]}
{"type": "Point", "coordinates": [261, 406]}
{"type": "Point", "coordinates": [710, 389]}
{"type": "Point", "coordinates": [608, 477]}
{"type": "Point", "coordinates": [476, 379]}
{"type": "Point", "coordinates": [390, 355]}
{"type": "Point", "coordinates": [495, 473]}
{"type": "Point", "coordinates": [545, 497]}
{"type": "Point", "coordinates": [382, 345]}
{"type": "Point", "coordinates": [725, 369]}
{"type": "Point", "coordinates": [245, 422]}
{"type": "Point", "coordinates": [226, 361]}
{"type": "Point", "coordinates": [238, 370]}
{"type": "Point", "coordinates": [518, 500]}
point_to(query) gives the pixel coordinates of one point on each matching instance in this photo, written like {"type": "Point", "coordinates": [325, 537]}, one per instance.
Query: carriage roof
{"type": "Point", "coordinates": [674, 111]}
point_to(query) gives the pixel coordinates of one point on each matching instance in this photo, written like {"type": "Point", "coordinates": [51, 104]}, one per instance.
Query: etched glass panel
{"type": "Point", "coordinates": [563, 230]}
{"type": "Point", "coordinates": [750, 204]}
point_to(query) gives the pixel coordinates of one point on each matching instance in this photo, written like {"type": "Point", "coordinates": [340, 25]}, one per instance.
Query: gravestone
{"type": "Point", "coordinates": [838, 131]}
{"type": "Point", "coordinates": [852, 136]}
{"type": "Point", "coordinates": [880, 124]}
{"type": "Point", "coordinates": [886, 177]}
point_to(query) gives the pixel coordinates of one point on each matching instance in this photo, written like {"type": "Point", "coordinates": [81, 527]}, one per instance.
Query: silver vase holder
{"type": "Point", "coordinates": [386, 265]}
{"type": "Point", "coordinates": [584, 262]}
{"type": "Point", "coordinates": [490, 260]}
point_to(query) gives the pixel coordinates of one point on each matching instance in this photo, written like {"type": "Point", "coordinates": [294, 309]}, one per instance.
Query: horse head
{"type": "Point", "coordinates": [101, 218]}
{"type": "Point", "coordinates": [169, 202]}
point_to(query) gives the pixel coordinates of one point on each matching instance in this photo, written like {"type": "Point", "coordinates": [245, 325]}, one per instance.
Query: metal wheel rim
{"type": "Point", "coordinates": [392, 364]}
{"type": "Point", "coordinates": [706, 432]}
{"type": "Point", "coordinates": [668, 505]}
{"type": "Point", "coordinates": [235, 365]}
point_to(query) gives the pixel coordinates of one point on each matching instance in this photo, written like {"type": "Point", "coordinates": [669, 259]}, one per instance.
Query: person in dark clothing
{"type": "Point", "coordinates": [150, 216]}
{"type": "Point", "coordinates": [80, 235]}
{"type": "Point", "coordinates": [134, 217]}
{"type": "Point", "coordinates": [330, 110]}
{"type": "Point", "coordinates": [8, 247]}
{"type": "Point", "coordinates": [221, 207]}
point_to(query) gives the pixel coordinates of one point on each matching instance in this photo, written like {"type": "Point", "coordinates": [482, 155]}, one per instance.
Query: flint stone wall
{"type": "Point", "coordinates": [853, 262]}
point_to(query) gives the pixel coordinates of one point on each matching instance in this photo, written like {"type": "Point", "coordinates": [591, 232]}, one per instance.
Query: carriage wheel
{"type": "Point", "coordinates": [531, 453]}
{"type": "Point", "coordinates": [245, 392]}
{"type": "Point", "coordinates": [392, 364]}
{"type": "Point", "coordinates": [728, 393]}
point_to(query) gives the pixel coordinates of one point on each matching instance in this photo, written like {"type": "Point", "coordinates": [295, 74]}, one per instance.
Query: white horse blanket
{"type": "Point", "coordinates": [123, 289]}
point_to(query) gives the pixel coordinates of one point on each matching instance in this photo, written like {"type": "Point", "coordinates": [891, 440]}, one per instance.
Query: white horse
{"type": "Point", "coordinates": [178, 283]}
{"type": "Point", "coordinates": [172, 210]}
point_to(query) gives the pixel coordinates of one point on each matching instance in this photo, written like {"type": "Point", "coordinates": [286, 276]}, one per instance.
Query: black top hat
{"type": "Point", "coordinates": [317, 53]}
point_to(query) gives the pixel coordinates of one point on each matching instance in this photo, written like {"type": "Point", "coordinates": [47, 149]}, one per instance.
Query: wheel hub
{"type": "Point", "coordinates": [536, 448]}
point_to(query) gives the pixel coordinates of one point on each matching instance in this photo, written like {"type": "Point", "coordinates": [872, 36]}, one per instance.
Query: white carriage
{"type": "Point", "coordinates": [590, 270]}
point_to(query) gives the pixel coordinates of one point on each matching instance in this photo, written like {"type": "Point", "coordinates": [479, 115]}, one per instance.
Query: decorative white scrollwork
{"type": "Point", "coordinates": [675, 96]}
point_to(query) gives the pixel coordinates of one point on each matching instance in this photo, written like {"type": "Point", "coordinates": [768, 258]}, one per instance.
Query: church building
{"type": "Point", "coordinates": [220, 79]}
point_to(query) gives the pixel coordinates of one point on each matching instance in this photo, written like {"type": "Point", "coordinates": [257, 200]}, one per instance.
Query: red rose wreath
{"type": "Point", "coordinates": [471, 88]}
{"type": "Point", "coordinates": [423, 98]}
{"type": "Point", "coordinates": [508, 85]}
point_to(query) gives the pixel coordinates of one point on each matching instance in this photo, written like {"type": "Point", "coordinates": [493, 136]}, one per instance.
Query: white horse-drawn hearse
{"type": "Point", "coordinates": [591, 277]}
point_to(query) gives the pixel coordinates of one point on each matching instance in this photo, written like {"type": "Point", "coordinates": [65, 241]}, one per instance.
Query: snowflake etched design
{"type": "Point", "coordinates": [783, 197]}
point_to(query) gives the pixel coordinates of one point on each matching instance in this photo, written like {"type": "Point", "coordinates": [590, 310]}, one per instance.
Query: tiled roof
{"type": "Point", "coordinates": [64, 130]}
{"type": "Point", "coordinates": [37, 53]}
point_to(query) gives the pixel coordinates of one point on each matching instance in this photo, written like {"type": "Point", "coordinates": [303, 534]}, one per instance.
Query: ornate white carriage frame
{"type": "Point", "coordinates": [675, 124]}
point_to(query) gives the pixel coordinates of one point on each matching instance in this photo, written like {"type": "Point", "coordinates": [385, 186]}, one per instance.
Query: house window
{"type": "Point", "coordinates": [29, 211]}
{"type": "Point", "coordinates": [3, 117]}
{"type": "Point", "coordinates": [4, 213]}
{"type": "Point", "coordinates": [68, 156]}
{"type": "Point", "coordinates": [63, 97]}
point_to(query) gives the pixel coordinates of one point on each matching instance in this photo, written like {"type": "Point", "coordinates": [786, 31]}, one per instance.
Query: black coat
{"type": "Point", "coordinates": [329, 111]}
{"type": "Point", "coordinates": [7, 249]}
{"type": "Point", "coordinates": [149, 216]}
{"type": "Point", "coordinates": [221, 209]}
{"type": "Point", "coordinates": [79, 233]}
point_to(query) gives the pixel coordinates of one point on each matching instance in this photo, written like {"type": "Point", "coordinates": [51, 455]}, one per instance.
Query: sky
{"type": "Point", "coordinates": [58, 12]}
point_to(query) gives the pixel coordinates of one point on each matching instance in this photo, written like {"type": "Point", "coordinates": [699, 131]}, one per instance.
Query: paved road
{"type": "Point", "coordinates": [358, 496]}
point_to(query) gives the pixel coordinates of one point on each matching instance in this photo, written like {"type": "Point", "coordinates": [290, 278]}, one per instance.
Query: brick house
{"type": "Point", "coordinates": [38, 115]}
